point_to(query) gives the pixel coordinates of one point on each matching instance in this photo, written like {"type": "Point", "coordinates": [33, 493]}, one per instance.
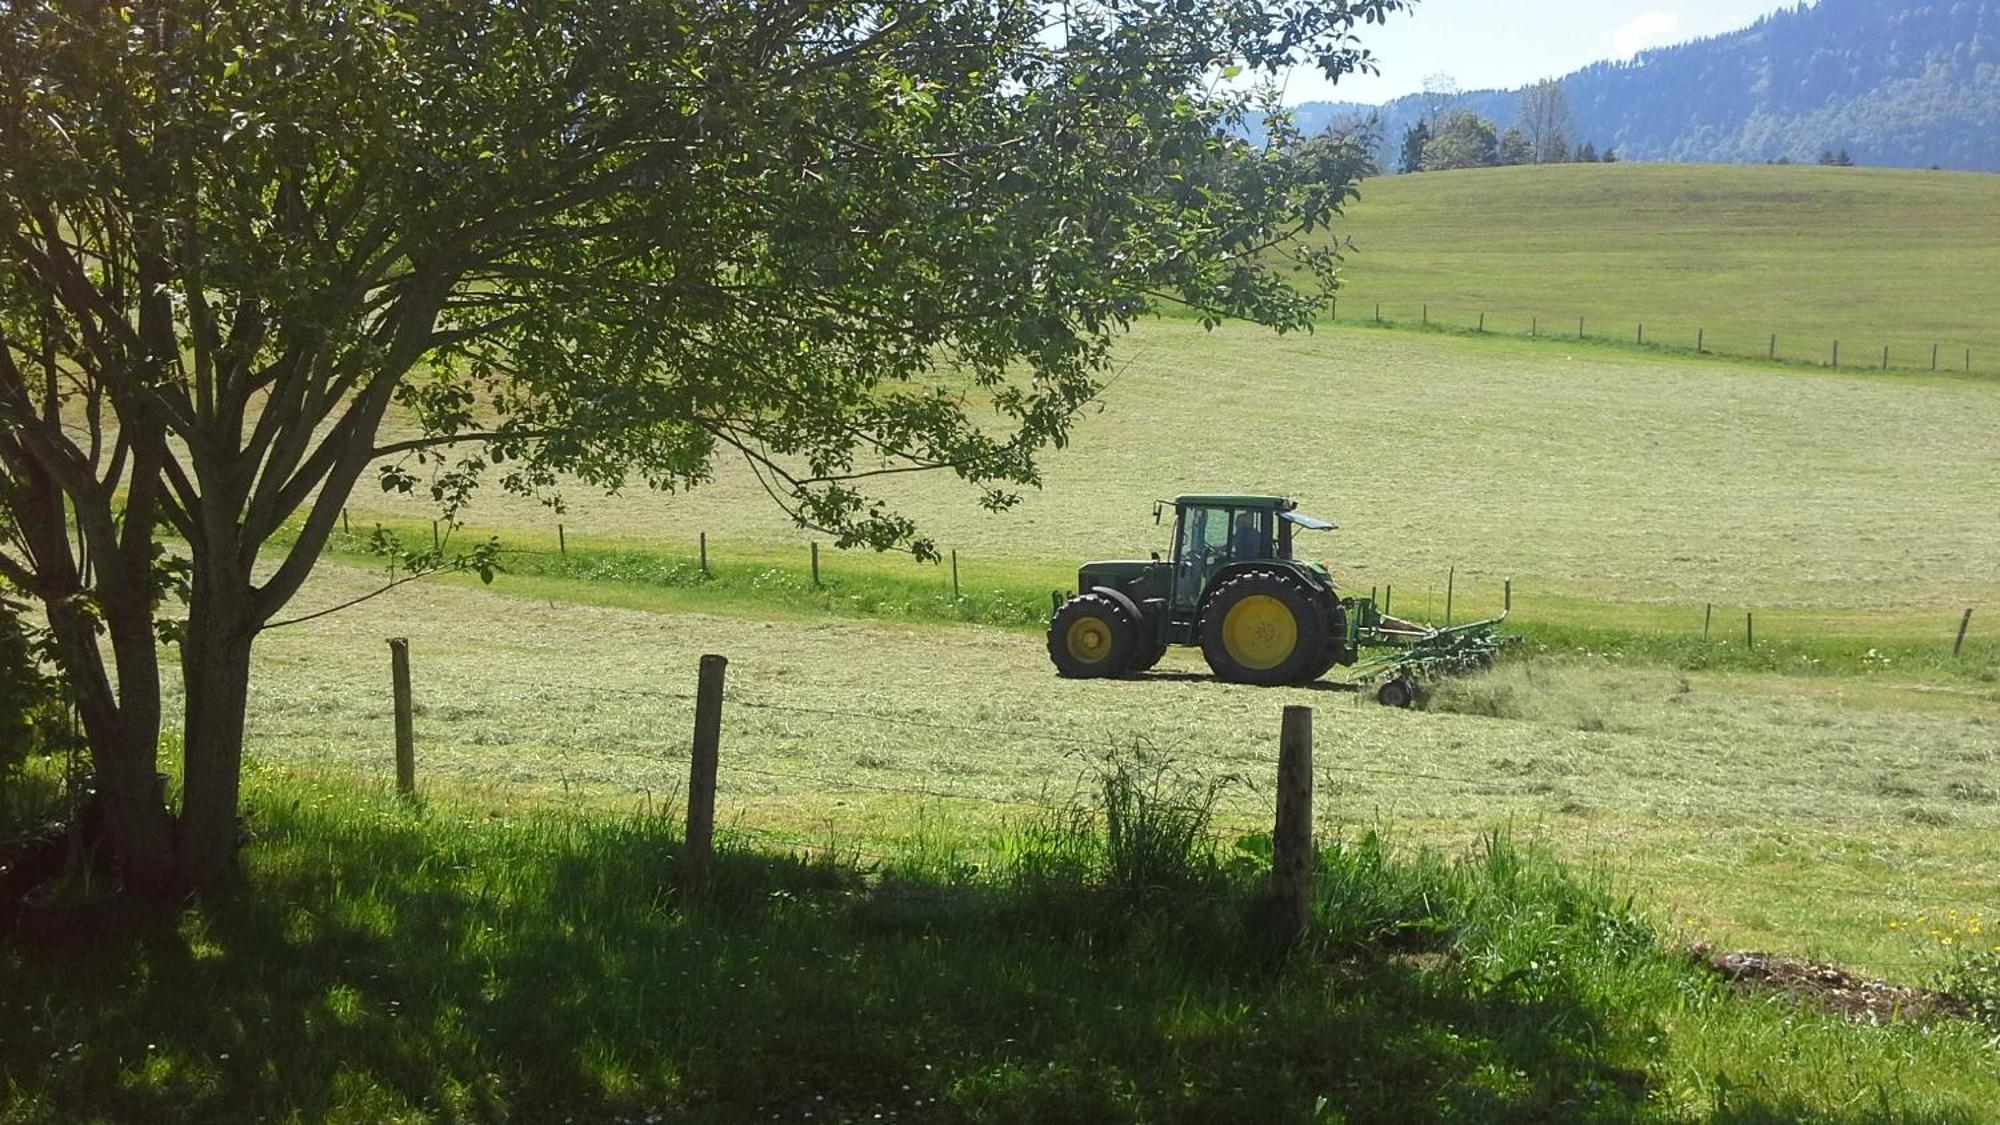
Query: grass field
{"type": "Point", "coordinates": [1807, 815]}
{"type": "Point", "coordinates": [1836, 794]}
{"type": "Point", "coordinates": [1866, 256]}
{"type": "Point", "coordinates": [435, 964]}
{"type": "Point", "coordinates": [1614, 479]}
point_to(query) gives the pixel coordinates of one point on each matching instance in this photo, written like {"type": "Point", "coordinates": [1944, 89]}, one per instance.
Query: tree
{"type": "Point", "coordinates": [570, 240]}
{"type": "Point", "coordinates": [1441, 96]}
{"type": "Point", "coordinates": [1586, 153]}
{"type": "Point", "coordinates": [1515, 149]}
{"type": "Point", "coordinates": [1610, 156]}
{"type": "Point", "coordinates": [1545, 121]}
{"type": "Point", "coordinates": [1414, 139]}
{"type": "Point", "coordinates": [1463, 140]}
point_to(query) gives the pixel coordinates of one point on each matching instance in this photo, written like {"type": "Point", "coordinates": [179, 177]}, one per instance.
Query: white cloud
{"type": "Point", "coordinates": [1647, 29]}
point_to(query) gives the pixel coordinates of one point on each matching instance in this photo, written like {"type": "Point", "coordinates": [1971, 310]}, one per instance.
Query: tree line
{"type": "Point", "coordinates": [1451, 137]}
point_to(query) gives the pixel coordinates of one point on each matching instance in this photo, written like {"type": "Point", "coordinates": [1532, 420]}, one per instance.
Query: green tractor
{"type": "Point", "coordinates": [1259, 615]}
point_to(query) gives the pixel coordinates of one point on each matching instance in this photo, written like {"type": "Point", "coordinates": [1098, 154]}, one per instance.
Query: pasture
{"type": "Point", "coordinates": [1815, 811]}
{"type": "Point", "coordinates": [1814, 816]}
{"type": "Point", "coordinates": [1866, 256]}
{"type": "Point", "coordinates": [1613, 478]}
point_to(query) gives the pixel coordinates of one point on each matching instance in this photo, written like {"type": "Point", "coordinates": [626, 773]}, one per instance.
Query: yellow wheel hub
{"type": "Point", "coordinates": [1260, 632]}
{"type": "Point", "coordinates": [1089, 639]}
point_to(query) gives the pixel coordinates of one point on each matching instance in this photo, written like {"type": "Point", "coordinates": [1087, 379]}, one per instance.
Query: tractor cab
{"type": "Point", "coordinates": [1214, 532]}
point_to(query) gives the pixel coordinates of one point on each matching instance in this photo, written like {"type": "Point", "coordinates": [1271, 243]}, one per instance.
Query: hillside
{"type": "Point", "coordinates": [1869, 257]}
{"type": "Point", "coordinates": [1912, 83]}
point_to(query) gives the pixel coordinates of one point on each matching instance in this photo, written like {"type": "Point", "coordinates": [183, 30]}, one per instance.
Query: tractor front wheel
{"type": "Point", "coordinates": [1092, 636]}
{"type": "Point", "coordinates": [1262, 627]}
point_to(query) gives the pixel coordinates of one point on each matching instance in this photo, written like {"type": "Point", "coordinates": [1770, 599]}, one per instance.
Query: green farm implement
{"type": "Point", "coordinates": [1259, 615]}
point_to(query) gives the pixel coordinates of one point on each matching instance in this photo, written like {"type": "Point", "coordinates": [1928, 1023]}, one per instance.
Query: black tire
{"type": "Point", "coordinates": [1395, 692]}
{"type": "Point", "coordinates": [1255, 651]}
{"type": "Point", "coordinates": [1092, 636]}
{"type": "Point", "coordinates": [1320, 667]}
{"type": "Point", "coordinates": [1336, 638]}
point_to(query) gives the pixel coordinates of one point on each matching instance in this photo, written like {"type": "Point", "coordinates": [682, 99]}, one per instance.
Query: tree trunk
{"type": "Point", "coordinates": [123, 732]}
{"type": "Point", "coordinates": [215, 668]}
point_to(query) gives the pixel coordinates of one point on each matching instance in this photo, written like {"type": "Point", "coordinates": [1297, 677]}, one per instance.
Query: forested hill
{"type": "Point", "coordinates": [1898, 82]}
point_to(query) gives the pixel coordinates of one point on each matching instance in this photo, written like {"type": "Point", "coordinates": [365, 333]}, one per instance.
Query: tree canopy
{"type": "Point", "coordinates": [574, 240]}
{"type": "Point", "coordinates": [1462, 140]}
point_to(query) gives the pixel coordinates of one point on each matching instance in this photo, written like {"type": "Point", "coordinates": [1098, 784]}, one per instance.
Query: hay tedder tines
{"type": "Point", "coordinates": [1259, 615]}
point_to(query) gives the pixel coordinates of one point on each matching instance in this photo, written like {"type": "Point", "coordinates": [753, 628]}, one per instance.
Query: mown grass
{"type": "Point", "coordinates": [1802, 813]}
{"type": "Point", "coordinates": [435, 963]}
{"type": "Point", "coordinates": [1738, 252]}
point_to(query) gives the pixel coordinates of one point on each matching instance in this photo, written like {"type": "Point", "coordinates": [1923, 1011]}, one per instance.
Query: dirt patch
{"type": "Point", "coordinates": [1864, 999]}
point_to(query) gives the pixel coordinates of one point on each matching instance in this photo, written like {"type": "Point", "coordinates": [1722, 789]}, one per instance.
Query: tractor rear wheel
{"type": "Point", "coordinates": [1092, 636]}
{"type": "Point", "coordinates": [1328, 657]}
{"type": "Point", "coordinates": [1263, 627]}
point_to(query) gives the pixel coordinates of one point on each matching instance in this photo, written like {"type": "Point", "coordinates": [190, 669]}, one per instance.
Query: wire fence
{"type": "Point", "coordinates": [1793, 348]}
{"type": "Point", "coordinates": [1794, 635]}
{"type": "Point", "coordinates": [747, 776]}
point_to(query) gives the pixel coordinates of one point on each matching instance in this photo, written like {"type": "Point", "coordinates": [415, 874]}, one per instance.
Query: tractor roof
{"type": "Point", "coordinates": [1225, 500]}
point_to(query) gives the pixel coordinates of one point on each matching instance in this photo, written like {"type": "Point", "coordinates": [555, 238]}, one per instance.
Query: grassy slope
{"type": "Point", "coordinates": [436, 964]}
{"type": "Point", "coordinates": [1609, 477]}
{"type": "Point", "coordinates": [1865, 256]}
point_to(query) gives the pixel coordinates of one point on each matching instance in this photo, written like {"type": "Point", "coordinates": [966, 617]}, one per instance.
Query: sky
{"type": "Point", "coordinates": [1508, 43]}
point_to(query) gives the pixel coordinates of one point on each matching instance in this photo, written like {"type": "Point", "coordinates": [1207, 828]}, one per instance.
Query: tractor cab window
{"type": "Point", "coordinates": [1250, 536]}
{"type": "Point", "coordinates": [1210, 539]}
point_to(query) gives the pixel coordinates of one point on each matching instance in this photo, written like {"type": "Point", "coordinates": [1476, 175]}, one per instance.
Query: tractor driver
{"type": "Point", "coordinates": [1248, 541]}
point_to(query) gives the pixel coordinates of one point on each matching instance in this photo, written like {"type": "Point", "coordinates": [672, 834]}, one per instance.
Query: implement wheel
{"type": "Point", "coordinates": [1397, 692]}
{"type": "Point", "coordinates": [1263, 627]}
{"type": "Point", "coordinates": [1093, 636]}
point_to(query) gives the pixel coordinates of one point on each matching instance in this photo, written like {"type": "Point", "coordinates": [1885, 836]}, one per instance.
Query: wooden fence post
{"type": "Point", "coordinates": [1934, 350]}
{"type": "Point", "coordinates": [1507, 596]}
{"type": "Point", "coordinates": [1386, 592]}
{"type": "Point", "coordinates": [1427, 316]}
{"type": "Point", "coordinates": [700, 844]}
{"type": "Point", "coordinates": [1836, 353]}
{"type": "Point", "coordinates": [1774, 347]}
{"type": "Point", "coordinates": [1579, 328]}
{"type": "Point", "coordinates": [1378, 312]}
{"type": "Point", "coordinates": [1482, 322]}
{"type": "Point", "coordinates": [343, 522]}
{"type": "Point", "coordinates": [1700, 340]}
{"type": "Point", "coordinates": [954, 574]}
{"type": "Point", "coordinates": [1750, 630]}
{"type": "Point", "coordinates": [406, 735]}
{"type": "Point", "coordinates": [1707, 617]}
{"type": "Point", "coordinates": [815, 548]}
{"type": "Point", "coordinates": [562, 541]}
{"type": "Point", "coordinates": [704, 554]}
{"type": "Point", "coordinates": [1291, 836]}
{"type": "Point", "coordinates": [1450, 582]}
{"type": "Point", "coordinates": [1885, 357]}
{"type": "Point", "coordinates": [437, 544]}
{"type": "Point", "coordinates": [1534, 327]}
{"type": "Point", "coordinates": [1641, 338]}
{"type": "Point", "coordinates": [1963, 623]}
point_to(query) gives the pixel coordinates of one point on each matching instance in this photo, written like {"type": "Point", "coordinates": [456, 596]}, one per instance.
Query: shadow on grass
{"type": "Point", "coordinates": [395, 964]}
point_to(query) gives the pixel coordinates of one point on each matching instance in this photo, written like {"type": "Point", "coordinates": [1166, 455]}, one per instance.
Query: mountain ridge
{"type": "Point", "coordinates": [1911, 83]}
